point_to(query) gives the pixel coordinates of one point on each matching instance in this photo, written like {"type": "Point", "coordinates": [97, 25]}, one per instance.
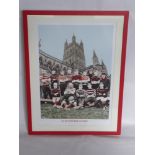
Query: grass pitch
{"type": "Point", "coordinates": [49, 112]}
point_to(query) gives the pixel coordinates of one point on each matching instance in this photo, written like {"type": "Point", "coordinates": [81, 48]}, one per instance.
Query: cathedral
{"type": "Point", "coordinates": [73, 58]}
{"type": "Point", "coordinates": [74, 54]}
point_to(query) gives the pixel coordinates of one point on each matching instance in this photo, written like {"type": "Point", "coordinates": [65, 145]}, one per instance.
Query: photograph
{"type": "Point", "coordinates": [75, 65]}
{"type": "Point", "coordinates": [75, 71]}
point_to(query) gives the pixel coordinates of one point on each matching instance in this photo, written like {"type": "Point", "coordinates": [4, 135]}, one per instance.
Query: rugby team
{"type": "Point", "coordinates": [75, 90]}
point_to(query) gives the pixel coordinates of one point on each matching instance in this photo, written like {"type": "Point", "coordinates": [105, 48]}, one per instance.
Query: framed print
{"type": "Point", "coordinates": [75, 64]}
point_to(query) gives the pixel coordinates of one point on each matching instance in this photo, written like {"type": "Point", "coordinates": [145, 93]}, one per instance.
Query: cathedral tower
{"type": "Point", "coordinates": [95, 59]}
{"type": "Point", "coordinates": [74, 54]}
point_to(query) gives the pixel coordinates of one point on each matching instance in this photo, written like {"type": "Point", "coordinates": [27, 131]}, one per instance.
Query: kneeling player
{"type": "Point", "coordinates": [55, 95]}
{"type": "Point", "coordinates": [90, 96]}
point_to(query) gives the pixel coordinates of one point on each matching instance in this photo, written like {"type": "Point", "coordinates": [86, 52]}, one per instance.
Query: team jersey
{"type": "Point", "coordinates": [80, 93]}
{"type": "Point", "coordinates": [55, 92]}
{"type": "Point", "coordinates": [54, 78]}
{"type": "Point", "coordinates": [45, 80]}
{"type": "Point", "coordinates": [69, 77]}
{"type": "Point", "coordinates": [90, 92]}
{"type": "Point", "coordinates": [101, 93]}
{"type": "Point", "coordinates": [95, 80]}
{"type": "Point", "coordinates": [85, 79]}
{"type": "Point", "coordinates": [106, 83]}
{"type": "Point", "coordinates": [76, 78]}
{"type": "Point", "coordinates": [62, 78]}
{"type": "Point", "coordinates": [90, 75]}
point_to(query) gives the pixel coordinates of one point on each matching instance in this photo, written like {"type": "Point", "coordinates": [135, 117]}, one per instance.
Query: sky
{"type": "Point", "coordinates": [94, 37]}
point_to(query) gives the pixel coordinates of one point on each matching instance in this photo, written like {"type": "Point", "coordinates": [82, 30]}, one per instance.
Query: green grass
{"type": "Point", "coordinates": [48, 111]}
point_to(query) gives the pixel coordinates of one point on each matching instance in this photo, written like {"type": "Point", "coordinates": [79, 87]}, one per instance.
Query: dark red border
{"type": "Point", "coordinates": [27, 66]}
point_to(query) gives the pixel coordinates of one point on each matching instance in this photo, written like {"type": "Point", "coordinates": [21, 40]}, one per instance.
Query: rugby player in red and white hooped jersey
{"type": "Point", "coordinates": [55, 92]}
{"type": "Point", "coordinates": [95, 80]}
{"type": "Point", "coordinates": [101, 96]}
{"type": "Point", "coordinates": [106, 81]}
{"type": "Point", "coordinates": [62, 82]}
{"type": "Point", "coordinates": [85, 79]}
{"type": "Point", "coordinates": [90, 96]}
{"type": "Point", "coordinates": [69, 76]}
{"type": "Point", "coordinates": [46, 81]}
{"type": "Point", "coordinates": [76, 79]}
{"type": "Point", "coordinates": [90, 73]}
{"type": "Point", "coordinates": [54, 78]}
{"type": "Point", "coordinates": [41, 87]}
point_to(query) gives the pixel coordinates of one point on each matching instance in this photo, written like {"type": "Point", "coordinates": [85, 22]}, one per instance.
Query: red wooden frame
{"type": "Point", "coordinates": [123, 58]}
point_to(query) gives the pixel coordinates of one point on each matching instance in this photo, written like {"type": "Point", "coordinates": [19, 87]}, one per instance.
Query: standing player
{"type": "Point", "coordinates": [105, 81]}
{"type": "Point", "coordinates": [84, 80]}
{"type": "Point", "coordinates": [69, 76]}
{"type": "Point", "coordinates": [76, 79]}
{"type": "Point", "coordinates": [95, 80]}
{"type": "Point", "coordinates": [41, 87]}
{"type": "Point", "coordinates": [90, 73]}
{"type": "Point", "coordinates": [46, 81]}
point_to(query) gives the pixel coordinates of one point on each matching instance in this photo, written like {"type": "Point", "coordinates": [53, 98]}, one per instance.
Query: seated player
{"type": "Point", "coordinates": [55, 92]}
{"type": "Point", "coordinates": [90, 96]}
{"type": "Point", "coordinates": [70, 91]}
{"type": "Point", "coordinates": [85, 79]}
{"type": "Point", "coordinates": [54, 78]}
{"type": "Point", "coordinates": [95, 80]}
{"type": "Point", "coordinates": [80, 94]}
{"type": "Point", "coordinates": [101, 96]}
{"type": "Point", "coordinates": [76, 79]}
